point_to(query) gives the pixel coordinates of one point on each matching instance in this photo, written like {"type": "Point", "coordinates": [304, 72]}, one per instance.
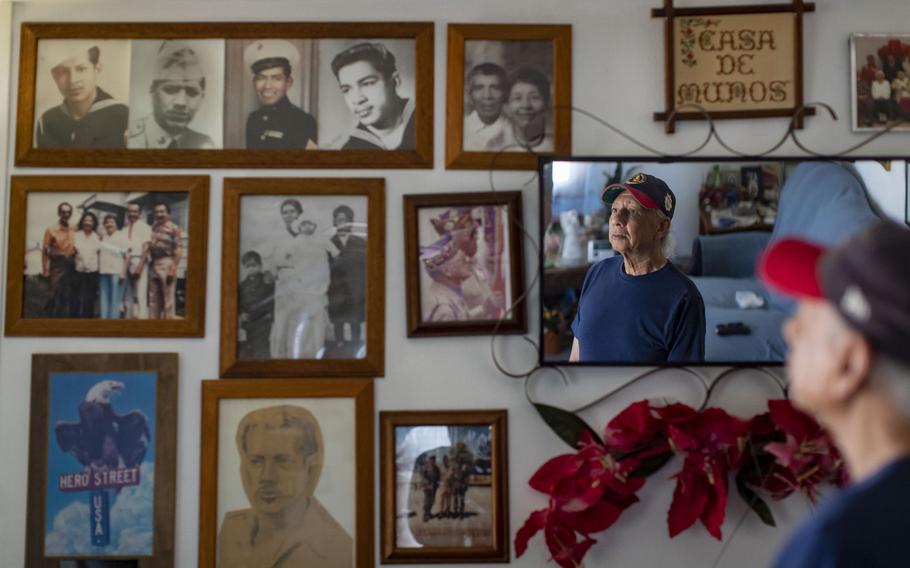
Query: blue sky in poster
{"type": "Point", "coordinates": [67, 527]}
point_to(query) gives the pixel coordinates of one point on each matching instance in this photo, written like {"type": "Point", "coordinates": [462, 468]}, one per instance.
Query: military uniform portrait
{"type": "Point", "coordinates": [508, 96]}
{"type": "Point", "coordinates": [286, 483]}
{"type": "Point", "coordinates": [273, 100]}
{"type": "Point", "coordinates": [176, 94]}
{"type": "Point", "coordinates": [301, 286]}
{"type": "Point", "coordinates": [366, 90]}
{"type": "Point", "coordinates": [81, 93]}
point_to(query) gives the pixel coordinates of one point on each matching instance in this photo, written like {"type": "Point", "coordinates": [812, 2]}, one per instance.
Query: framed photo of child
{"type": "Point", "coordinates": [303, 292]}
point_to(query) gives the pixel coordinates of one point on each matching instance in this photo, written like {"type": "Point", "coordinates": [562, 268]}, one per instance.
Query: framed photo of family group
{"type": "Point", "coordinates": [287, 473]}
{"type": "Point", "coordinates": [107, 256]}
{"type": "Point", "coordinates": [303, 277]}
{"type": "Point", "coordinates": [260, 95]}
{"type": "Point", "coordinates": [464, 259]}
{"type": "Point", "coordinates": [445, 486]}
{"type": "Point", "coordinates": [509, 95]}
{"type": "Point", "coordinates": [102, 460]}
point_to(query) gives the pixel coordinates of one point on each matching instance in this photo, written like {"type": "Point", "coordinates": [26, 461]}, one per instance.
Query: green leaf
{"type": "Point", "coordinates": [754, 502]}
{"type": "Point", "coordinates": [565, 424]}
{"type": "Point", "coordinates": [650, 465]}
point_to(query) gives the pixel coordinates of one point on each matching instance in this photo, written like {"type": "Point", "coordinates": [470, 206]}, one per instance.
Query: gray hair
{"type": "Point", "coordinates": [894, 379]}
{"type": "Point", "coordinates": [668, 242]}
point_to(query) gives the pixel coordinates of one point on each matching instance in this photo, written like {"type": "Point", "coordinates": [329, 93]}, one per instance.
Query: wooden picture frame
{"type": "Point", "coordinates": [505, 151]}
{"type": "Point", "coordinates": [500, 213]}
{"type": "Point", "coordinates": [187, 199]}
{"type": "Point", "coordinates": [411, 77]}
{"type": "Point", "coordinates": [741, 71]}
{"type": "Point", "coordinates": [341, 407]}
{"type": "Point", "coordinates": [54, 378]}
{"type": "Point", "coordinates": [868, 113]}
{"type": "Point", "coordinates": [370, 194]}
{"type": "Point", "coordinates": [493, 512]}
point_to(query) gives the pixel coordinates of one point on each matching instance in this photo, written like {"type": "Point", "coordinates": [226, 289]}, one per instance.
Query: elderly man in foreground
{"type": "Point", "coordinates": [849, 364]}
{"type": "Point", "coordinates": [638, 307]}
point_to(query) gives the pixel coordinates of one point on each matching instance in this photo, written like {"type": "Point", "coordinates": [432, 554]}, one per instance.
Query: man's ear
{"type": "Point", "coordinates": [663, 226]}
{"type": "Point", "coordinates": [290, 82]}
{"type": "Point", "coordinates": [98, 67]}
{"type": "Point", "coordinates": [396, 80]}
{"type": "Point", "coordinates": [855, 365]}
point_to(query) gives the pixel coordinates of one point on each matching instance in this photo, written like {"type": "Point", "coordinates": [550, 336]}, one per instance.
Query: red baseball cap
{"type": "Point", "coordinates": [866, 278]}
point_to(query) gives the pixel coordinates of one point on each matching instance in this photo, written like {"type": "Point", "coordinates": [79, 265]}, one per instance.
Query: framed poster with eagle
{"type": "Point", "coordinates": [102, 459]}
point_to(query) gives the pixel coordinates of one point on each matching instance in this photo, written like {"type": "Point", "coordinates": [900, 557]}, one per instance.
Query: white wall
{"type": "Point", "coordinates": [618, 73]}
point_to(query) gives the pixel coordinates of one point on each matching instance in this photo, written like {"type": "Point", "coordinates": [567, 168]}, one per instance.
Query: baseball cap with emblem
{"type": "Point", "coordinates": [648, 190]}
{"type": "Point", "coordinates": [178, 61]}
{"type": "Point", "coordinates": [866, 278]}
{"type": "Point", "coordinates": [267, 53]}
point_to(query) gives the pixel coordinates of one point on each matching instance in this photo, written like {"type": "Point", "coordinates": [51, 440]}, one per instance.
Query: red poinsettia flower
{"type": "Point", "coordinates": [712, 442]}
{"type": "Point", "coordinates": [565, 547]}
{"type": "Point", "coordinates": [807, 456]}
{"type": "Point", "coordinates": [632, 428]}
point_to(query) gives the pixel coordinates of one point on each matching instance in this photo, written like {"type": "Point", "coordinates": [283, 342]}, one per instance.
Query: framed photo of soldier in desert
{"type": "Point", "coordinates": [509, 95]}
{"type": "Point", "coordinates": [304, 277]}
{"type": "Point", "coordinates": [444, 480]}
{"type": "Point", "coordinates": [102, 459]}
{"type": "Point", "coordinates": [287, 473]}
{"type": "Point", "coordinates": [226, 95]}
{"type": "Point", "coordinates": [107, 256]}
{"type": "Point", "coordinates": [465, 273]}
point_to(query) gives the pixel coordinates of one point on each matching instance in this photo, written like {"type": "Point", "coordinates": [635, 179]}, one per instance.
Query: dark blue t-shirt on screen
{"type": "Point", "coordinates": [864, 526]}
{"type": "Point", "coordinates": [658, 316]}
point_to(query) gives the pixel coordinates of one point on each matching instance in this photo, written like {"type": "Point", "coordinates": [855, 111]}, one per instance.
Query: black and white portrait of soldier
{"type": "Point", "coordinates": [508, 96]}
{"type": "Point", "coordinates": [176, 96]}
{"type": "Point", "coordinates": [368, 89]}
{"type": "Point", "coordinates": [80, 93]}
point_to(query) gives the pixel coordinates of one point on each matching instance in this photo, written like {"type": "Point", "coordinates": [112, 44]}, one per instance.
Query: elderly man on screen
{"type": "Point", "coordinates": [637, 306]}
{"type": "Point", "coordinates": [849, 365]}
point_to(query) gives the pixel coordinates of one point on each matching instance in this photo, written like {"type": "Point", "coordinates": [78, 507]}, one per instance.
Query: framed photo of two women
{"type": "Point", "coordinates": [203, 95]}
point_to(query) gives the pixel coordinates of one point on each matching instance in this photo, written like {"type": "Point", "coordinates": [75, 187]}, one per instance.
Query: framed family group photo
{"type": "Point", "coordinates": [880, 81]}
{"type": "Point", "coordinates": [200, 95]}
{"type": "Point", "coordinates": [287, 473]}
{"type": "Point", "coordinates": [465, 269]}
{"type": "Point", "coordinates": [102, 460]}
{"type": "Point", "coordinates": [107, 256]}
{"type": "Point", "coordinates": [303, 277]}
{"type": "Point", "coordinates": [444, 480]}
{"type": "Point", "coordinates": [509, 95]}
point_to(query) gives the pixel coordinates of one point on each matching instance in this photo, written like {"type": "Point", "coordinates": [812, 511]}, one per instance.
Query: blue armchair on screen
{"type": "Point", "coordinates": [822, 201]}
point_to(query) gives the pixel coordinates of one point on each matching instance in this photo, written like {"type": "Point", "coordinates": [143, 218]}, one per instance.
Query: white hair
{"type": "Point", "coordinates": [894, 378]}
{"type": "Point", "coordinates": [668, 242]}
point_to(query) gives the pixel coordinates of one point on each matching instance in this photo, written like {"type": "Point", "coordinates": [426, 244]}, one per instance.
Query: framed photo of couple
{"type": "Point", "coordinates": [102, 460]}
{"type": "Point", "coordinates": [287, 473]}
{"type": "Point", "coordinates": [107, 256]}
{"type": "Point", "coordinates": [199, 95]}
{"type": "Point", "coordinates": [509, 95]}
{"type": "Point", "coordinates": [303, 287]}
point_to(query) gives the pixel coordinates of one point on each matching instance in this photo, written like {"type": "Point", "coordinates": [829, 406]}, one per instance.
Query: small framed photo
{"type": "Point", "coordinates": [509, 95]}
{"type": "Point", "coordinates": [464, 263]}
{"type": "Point", "coordinates": [216, 95]}
{"type": "Point", "coordinates": [303, 288]}
{"type": "Point", "coordinates": [102, 460]}
{"type": "Point", "coordinates": [107, 256]}
{"type": "Point", "coordinates": [880, 81]}
{"type": "Point", "coordinates": [444, 480]}
{"type": "Point", "coordinates": [287, 473]}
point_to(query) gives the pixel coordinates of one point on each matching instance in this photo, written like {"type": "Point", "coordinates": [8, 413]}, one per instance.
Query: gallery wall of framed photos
{"type": "Point", "coordinates": [614, 72]}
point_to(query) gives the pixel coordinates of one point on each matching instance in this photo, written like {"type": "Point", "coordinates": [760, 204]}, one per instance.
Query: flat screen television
{"type": "Point", "coordinates": [727, 210]}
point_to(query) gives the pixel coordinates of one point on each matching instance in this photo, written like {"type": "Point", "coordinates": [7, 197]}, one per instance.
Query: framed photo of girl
{"type": "Point", "coordinates": [303, 287]}
{"type": "Point", "coordinates": [107, 256]}
{"type": "Point", "coordinates": [463, 253]}
{"type": "Point", "coordinates": [445, 486]}
{"type": "Point", "coordinates": [287, 473]}
{"type": "Point", "coordinates": [226, 95]}
{"type": "Point", "coordinates": [102, 460]}
{"type": "Point", "coordinates": [509, 95]}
